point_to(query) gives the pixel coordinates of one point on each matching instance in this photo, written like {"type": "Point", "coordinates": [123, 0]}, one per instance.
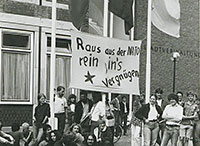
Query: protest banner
{"type": "Point", "coordinates": [104, 64]}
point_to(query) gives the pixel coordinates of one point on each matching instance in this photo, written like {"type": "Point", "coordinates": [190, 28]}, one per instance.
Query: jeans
{"type": "Point", "coordinates": [135, 137]}
{"type": "Point", "coordinates": [94, 124]}
{"type": "Point", "coordinates": [151, 130]}
{"type": "Point", "coordinates": [171, 132]}
{"type": "Point", "coordinates": [160, 134]}
{"type": "Point", "coordinates": [117, 121]}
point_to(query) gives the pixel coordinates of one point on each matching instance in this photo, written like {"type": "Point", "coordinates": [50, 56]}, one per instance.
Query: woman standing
{"type": "Point", "coordinates": [135, 122]}
{"type": "Point", "coordinates": [71, 102]}
{"type": "Point", "coordinates": [42, 113]}
{"type": "Point", "coordinates": [150, 114]}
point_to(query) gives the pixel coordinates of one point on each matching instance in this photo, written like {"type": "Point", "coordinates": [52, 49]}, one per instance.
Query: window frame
{"type": "Point", "coordinates": [28, 1]}
{"type": "Point", "coordinates": [18, 51]}
{"type": "Point", "coordinates": [60, 33]}
{"type": "Point", "coordinates": [59, 50]}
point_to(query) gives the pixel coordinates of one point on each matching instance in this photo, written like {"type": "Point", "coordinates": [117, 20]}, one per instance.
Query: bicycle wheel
{"type": "Point", "coordinates": [117, 133]}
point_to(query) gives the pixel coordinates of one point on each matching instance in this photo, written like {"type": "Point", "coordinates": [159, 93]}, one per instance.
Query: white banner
{"type": "Point", "coordinates": [105, 64]}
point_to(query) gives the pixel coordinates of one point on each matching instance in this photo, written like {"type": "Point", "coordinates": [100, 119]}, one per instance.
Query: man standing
{"type": "Point", "coordinates": [82, 108]}
{"type": "Point", "coordinates": [180, 98]}
{"type": "Point", "coordinates": [173, 115]}
{"type": "Point", "coordinates": [116, 110]}
{"type": "Point", "coordinates": [187, 124]}
{"type": "Point", "coordinates": [124, 110]}
{"type": "Point", "coordinates": [162, 103]}
{"type": "Point", "coordinates": [60, 108]}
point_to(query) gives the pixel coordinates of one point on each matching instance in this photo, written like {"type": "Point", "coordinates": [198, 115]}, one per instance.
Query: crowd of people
{"type": "Point", "coordinates": [92, 122]}
{"type": "Point", "coordinates": [79, 123]}
{"type": "Point", "coordinates": [174, 121]}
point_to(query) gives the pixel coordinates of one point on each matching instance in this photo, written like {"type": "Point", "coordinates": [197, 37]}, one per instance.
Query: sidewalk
{"type": "Point", "coordinates": [126, 140]}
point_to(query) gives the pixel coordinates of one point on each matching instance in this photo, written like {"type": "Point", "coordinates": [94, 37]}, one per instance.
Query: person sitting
{"type": "Point", "coordinates": [27, 133]}
{"type": "Point", "coordinates": [76, 129]}
{"type": "Point", "coordinates": [17, 134]}
{"type": "Point", "coordinates": [90, 140]}
{"type": "Point", "coordinates": [105, 135]}
{"type": "Point", "coordinates": [46, 135]}
{"type": "Point", "coordinates": [68, 139]}
{"type": "Point", "coordinates": [5, 139]}
{"type": "Point", "coordinates": [54, 136]}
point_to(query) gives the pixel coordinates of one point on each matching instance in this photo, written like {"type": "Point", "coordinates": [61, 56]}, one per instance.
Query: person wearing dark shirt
{"type": "Point", "coordinates": [105, 135]}
{"type": "Point", "coordinates": [90, 140]}
{"type": "Point", "coordinates": [27, 133]}
{"type": "Point", "coordinates": [150, 114]}
{"type": "Point", "coordinates": [124, 110]}
{"type": "Point", "coordinates": [82, 108]}
{"type": "Point", "coordinates": [16, 134]}
{"type": "Point", "coordinates": [67, 140]}
{"type": "Point", "coordinates": [42, 113]}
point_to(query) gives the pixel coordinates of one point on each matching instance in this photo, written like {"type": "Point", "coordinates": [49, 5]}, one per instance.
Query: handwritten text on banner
{"type": "Point", "coordinates": [105, 64]}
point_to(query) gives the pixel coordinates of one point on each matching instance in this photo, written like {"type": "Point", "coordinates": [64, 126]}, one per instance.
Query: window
{"type": "Point", "coordinates": [62, 44]}
{"type": "Point", "coordinates": [62, 77]}
{"type": "Point", "coordinates": [16, 56]}
{"type": "Point", "coordinates": [17, 40]}
{"type": "Point", "coordinates": [62, 64]}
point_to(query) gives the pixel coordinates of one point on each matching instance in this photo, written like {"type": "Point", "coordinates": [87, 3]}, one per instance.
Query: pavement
{"type": "Point", "coordinates": [124, 140]}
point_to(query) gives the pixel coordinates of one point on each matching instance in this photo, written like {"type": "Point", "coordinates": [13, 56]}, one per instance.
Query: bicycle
{"type": "Point", "coordinates": [120, 131]}
{"type": "Point", "coordinates": [117, 133]}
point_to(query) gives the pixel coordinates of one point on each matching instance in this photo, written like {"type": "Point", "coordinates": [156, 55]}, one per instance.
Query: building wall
{"type": "Point", "coordinates": [32, 16]}
{"type": "Point", "coordinates": [35, 10]}
{"type": "Point", "coordinates": [187, 71]}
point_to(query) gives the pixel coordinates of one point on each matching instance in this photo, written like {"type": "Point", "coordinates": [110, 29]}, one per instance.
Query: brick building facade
{"type": "Point", "coordinates": [187, 67]}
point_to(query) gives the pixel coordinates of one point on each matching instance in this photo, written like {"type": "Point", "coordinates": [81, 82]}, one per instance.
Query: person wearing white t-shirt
{"type": "Point", "coordinates": [60, 108]}
{"type": "Point", "coordinates": [97, 112]}
{"type": "Point", "coordinates": [173, 115]}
